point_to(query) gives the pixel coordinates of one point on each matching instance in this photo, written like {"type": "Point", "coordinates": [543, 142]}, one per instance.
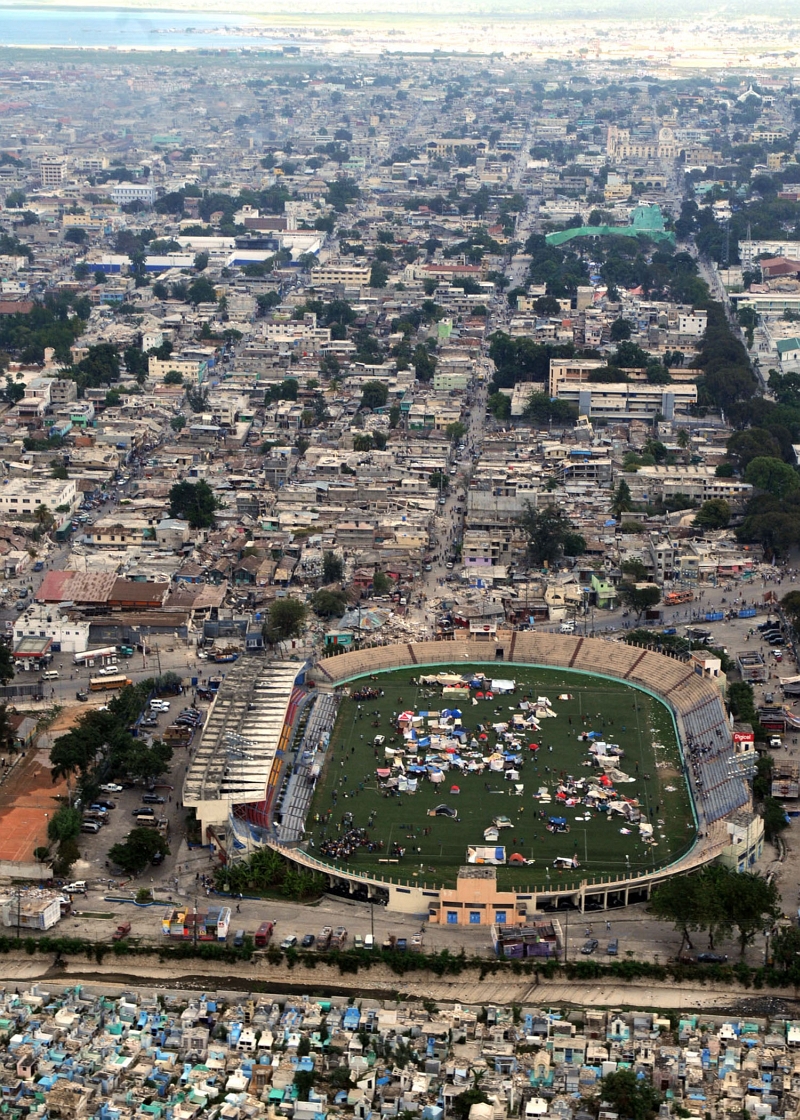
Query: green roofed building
{"type": "Point", "coordinates": [646, 220]}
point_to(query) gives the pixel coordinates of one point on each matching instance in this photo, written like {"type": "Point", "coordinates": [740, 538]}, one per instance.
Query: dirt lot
{"type": "Point", "coordinates": [28, 797]}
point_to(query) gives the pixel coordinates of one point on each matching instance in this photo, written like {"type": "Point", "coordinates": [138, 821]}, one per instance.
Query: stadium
{"type": "Point", "coordinates": [479, 780]}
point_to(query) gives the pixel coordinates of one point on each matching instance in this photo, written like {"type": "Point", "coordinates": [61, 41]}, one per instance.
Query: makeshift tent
{"type": "Point", "coordinates": [486, 854]}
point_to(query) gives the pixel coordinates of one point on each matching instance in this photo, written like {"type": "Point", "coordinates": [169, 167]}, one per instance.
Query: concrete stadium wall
{"type": "Point", "coordinates": [668, 679]}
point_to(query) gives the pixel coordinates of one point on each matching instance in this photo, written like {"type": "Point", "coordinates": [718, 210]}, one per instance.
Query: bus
{"type": "Point", "coordinates": [105, 684]}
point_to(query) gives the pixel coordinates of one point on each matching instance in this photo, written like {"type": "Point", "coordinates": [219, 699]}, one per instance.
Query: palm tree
{"type": "Point", "coordinates": [43, 515]}
{"type": "Point", "coordinates": [683, 443]}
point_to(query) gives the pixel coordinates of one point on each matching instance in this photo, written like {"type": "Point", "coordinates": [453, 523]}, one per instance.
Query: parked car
{"type": "Point", "coordinates": [238, 939]}
{"type": "Point", "coordinates": [111, 787]}
{"type": "Point", "coordinates": [153, 799]}
{"type": "Point", "coordinates": [711, 958]}
{"type": "Point", "coordinates": [289, 942]}
{"type": "Point", "coordinates": [589, 946]}
{"type": "Point", "coordinates": [307, 941]}
{"type": "Point", "coordinates": [158, 859]}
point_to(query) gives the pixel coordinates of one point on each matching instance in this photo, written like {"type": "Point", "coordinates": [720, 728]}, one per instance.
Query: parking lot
{"type": "Point", "coordinates": [162, 796]}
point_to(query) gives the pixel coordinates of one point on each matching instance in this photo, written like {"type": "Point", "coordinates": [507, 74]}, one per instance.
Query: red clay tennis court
{"type": "Point", "coordinates": [27, 801]}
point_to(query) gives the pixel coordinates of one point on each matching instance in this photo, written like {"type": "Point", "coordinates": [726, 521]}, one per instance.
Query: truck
{"type": "Point", "coordinates": [178, 736]}
{"type": "Point", "coordinates": [122, 931]}
{"type": "Point", "coordinates": [107, 684]}
{"type": "Point", "coordinates": [324, 939]}
{"type": "Point", "coordinates": [89, 656]}
{"type": "Point", "coordinates": [339, 938]}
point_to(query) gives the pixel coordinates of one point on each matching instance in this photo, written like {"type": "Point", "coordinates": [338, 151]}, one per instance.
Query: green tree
{"type": "Point", "coordinates": [14, 391]}
{"type": "Point", "coordinates": [751, 444]}
{"type": "Point", "coordinates": [547, 530]}
{"type": "Point", "coordinates": [329, 604]}
{"type": "Point", "coordinates": [6, 664]}
{"type": "Point", "coordinates": [381, 583]}
{"type": "Point", "coordinates": [621, 501]}
{"type": "Point", "coordinates": [772, 475]}
{"type": "Point", "coordinates": [178, 423]}
{"type": "Point", "coordinates": [677, 900]}
{"type": "Point", "coordinates": [639, 598]}
{"type": "Point", "coordinates": [423, 362]}
{"type": "Point", "coordinates": [786, 951]}
{"type": "Point", "coordinates": [379, 275]}
{"type": "Point", "coordinates": [542, 409]}
{"type": "Point", "coordinates": [64, 825]}
{"type": "Point", "coordinates": [462, 1104]}
{"type": "Point", "coordinates": [201, 261]}
{"type": "Point", "coordinates": [173, 377]}
{"type": "Point", "coordinates": [285, 620]}
{"type": "Point", "coordinates": [547, 305]}
{"type": "Point", "coordinates": [713, 514]}
{"type": "Point", "coordinates": [752, 903]}
{"type": "Point", "coordinates": [193, 502]}
{"type": "Point", "coordinates": [499, 404]}
{"type": "Point", "coordinates": [374, 395]}
{"type": "Point", "coordinates": [774, 815]}
{"type": "Point", "coordinates": [635, 570]}
{"type": "Point", "coordinates": [332, 567]}
{"type": "Point", "coordinates": [201, 290]}
{"type": "Point", "coordinates": [455, 432]}
{"type": "Point", "coordinates": [632, 1097]}
{"type": "Point", "coordinates": [620, 330]}
{"type": "Point", "coordinates": [76, 235]}
{"type": "Point", "coordinates": [437, 480]}
{"type": "Point", "coordinates": [304, 1082]}
{"type": "Point", "coordinates": [136, 851]}
{"type": "Point", "coordinates": [629, 356]}
{"type": "Point", "coordinates": [362, 442]}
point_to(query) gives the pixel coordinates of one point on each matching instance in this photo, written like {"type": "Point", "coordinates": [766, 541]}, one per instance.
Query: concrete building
{"type": "Point", "coordinates": [41, 621]}
{"type": "Point", "coordinates": [237, 765]}
{"type": "Point", "coordinates": [133, 192]}
{"type": "Point", "coordinates": [21, 496]}
{"type": "Point", "coordinates": [53, 170]}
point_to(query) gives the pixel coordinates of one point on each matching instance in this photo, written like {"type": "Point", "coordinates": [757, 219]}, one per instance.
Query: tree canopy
{"type": "Point", "coordinates": [136, 851]}
{"type": "Point", "coordinates": [717, 901]}
{"type": "Point", "coordinates": [285, 620]}
{"type": "Point", "coordinates": [550, 534]}
{"type": "Point", "coordinates": [193, 502]}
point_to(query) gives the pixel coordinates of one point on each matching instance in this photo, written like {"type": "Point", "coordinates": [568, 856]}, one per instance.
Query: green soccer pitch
{"type": "Point", "coordinates": [436, 846]}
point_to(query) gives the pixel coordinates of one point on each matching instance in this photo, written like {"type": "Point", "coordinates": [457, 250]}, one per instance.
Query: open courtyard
{"type": "Point", "coordinates": [623, 820]}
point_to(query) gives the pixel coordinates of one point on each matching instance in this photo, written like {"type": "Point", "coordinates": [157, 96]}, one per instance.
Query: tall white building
{"type": "Point", "coordinates": [53, 170]}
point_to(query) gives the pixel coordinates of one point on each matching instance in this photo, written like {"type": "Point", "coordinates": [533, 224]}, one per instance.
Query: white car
{"type": "Point", "coordinates": [111, 787]}
{"type": "Point", "coordinates": [159, 705]}
{"type": "Point", "coordinates": [108, 671]}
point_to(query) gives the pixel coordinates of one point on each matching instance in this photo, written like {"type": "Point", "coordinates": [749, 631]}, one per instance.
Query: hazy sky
{"type": "Point", "coordinates": [448, 9]}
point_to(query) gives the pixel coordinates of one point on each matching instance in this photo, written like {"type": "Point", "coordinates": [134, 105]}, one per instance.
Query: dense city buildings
{"type": "Point", "coordinates": [381, 433]}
